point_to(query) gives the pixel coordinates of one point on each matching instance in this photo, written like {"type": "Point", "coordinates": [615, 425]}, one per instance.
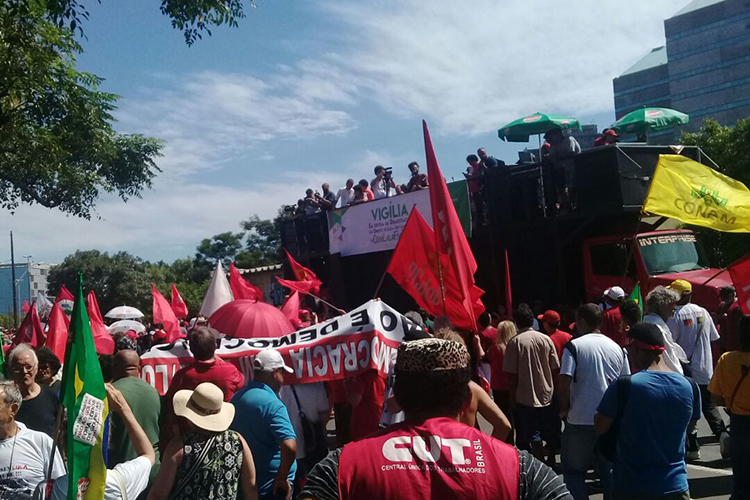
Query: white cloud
{"type": "Point", "coordinates": [473, 66]}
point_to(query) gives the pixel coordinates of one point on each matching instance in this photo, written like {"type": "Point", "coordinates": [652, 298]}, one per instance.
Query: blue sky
{"type": "Point", "coordinates": [305, 92]}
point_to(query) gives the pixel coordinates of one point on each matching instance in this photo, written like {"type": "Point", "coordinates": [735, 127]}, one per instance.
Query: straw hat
{"type": "Point", "coordinates": [204, 407]}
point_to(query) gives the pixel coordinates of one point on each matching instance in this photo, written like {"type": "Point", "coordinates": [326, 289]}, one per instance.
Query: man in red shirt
{"type": "Point", "coordinates": [365, 394]}
{"type": "Point", "coordinates": [206, 367]}
{"type": "Point", "coordinates": [487, 332]}
{"type": "Point", "coordinates": [611, 319]}
{"type": "Point", "coordinates": [550, 321]}
{"type": "Point", "coordinates": [431, 454]}
{"type": "Point", "coordinates": [728, 317]}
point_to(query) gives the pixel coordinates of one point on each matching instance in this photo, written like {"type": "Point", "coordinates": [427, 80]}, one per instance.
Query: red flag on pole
{"type": "Point", "coordinates": [291, 307]}
{"type": "Point", "coordinates": [178, 305]}
{"type": "Point", "coordinates": [163, 313]}
{"type": "Point", "coordinates": [25, 307]}
{"type": "Point", "coordinates": [57, 333]}
{"type": "Point", "coordinates": [64, 294]}
{"type": "Point", "coordinates": [449, 234]}
{"type": "Point", "coordinates": [241, 288]}
{"type": "Point", "coordinates": [740, 273]}
{"type": "Point", "coordinates": [414, 266]}
{"type": "Point", "coordinates": [508, 290]}
{"type": "Point", "coordinates": [103, 341]}
{"type": "Point", "coordinates": [305, 287]}
{"type": "Point", "coordinates": [30, 331]}
{"type": "Point", "coordinates": [301, 273]}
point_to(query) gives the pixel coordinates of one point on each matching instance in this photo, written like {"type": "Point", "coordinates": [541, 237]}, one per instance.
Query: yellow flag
{"type": "Point", "coordinates": [696, 194]}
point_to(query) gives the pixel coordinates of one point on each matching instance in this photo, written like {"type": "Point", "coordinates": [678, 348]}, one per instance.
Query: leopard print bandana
{"type": "Point", "coordinates": [432, 354]}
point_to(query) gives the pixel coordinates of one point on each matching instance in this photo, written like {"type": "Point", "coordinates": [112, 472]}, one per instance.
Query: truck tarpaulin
{"type": "Point", "coordinates": [361, 340]}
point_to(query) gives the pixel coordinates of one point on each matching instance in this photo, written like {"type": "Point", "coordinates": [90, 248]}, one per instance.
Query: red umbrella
{"type": "Point", "coordinates": [247, 319]}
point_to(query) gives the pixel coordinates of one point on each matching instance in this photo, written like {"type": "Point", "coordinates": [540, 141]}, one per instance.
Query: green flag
{"type": "Point", "coordinates": [85, 399]}
{"type": "Point", "coordinates": [635, 295]}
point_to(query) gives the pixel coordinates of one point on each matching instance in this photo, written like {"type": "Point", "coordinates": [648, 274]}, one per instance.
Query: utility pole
{"type": "Point", "coordinates": [13, 278]}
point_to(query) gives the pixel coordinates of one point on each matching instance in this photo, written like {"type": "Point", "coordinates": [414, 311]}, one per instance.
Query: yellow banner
{"type": "Point", "coordinates": [696, 194]}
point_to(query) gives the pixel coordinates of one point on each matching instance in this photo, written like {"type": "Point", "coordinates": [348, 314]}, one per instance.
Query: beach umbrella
{"type": "Point", "coordinates": [124, 312]}
{"type": "Point", "coordinates": [537, 124]}
{"type": "Point", "coordinates": [645, 120]}
{"type": "Point", "coordinates": [247, 319]}
{"type": "Point", "coordinates": [125, 325]}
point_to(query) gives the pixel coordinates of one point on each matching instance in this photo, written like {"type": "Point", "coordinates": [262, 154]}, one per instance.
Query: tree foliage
{"type": "Point", "coordinates": [727, 148]}
{"type": "Point", "coordinates": [58, 147]}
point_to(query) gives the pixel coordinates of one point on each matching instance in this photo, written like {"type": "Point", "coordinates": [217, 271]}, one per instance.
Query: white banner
{"type": "Point", "coordinates": [376, 225]}
{"type": "Point", "coordinates": [347, 345]}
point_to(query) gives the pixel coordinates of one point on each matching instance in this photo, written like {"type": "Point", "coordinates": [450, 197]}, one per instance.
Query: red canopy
{"type": "Point", "coordinates": [247, 319]}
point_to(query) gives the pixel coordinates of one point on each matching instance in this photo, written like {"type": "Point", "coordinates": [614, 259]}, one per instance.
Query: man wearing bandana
{"type": "Point", "coordinates": [431, 454]}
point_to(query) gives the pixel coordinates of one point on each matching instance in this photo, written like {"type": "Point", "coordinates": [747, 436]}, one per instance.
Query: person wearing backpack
{"type": "Point", "coordinates": [590, 362]}
{"type": "Point", "coordinates": [730, 386]}
{"type": "Point", "coordinates": [650, 412]}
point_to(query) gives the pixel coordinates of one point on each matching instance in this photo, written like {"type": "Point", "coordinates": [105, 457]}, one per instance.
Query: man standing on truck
{"type": "Point", "coordinates": [693, 328]}
{"type": "Point", "coordinates": [613, 297]}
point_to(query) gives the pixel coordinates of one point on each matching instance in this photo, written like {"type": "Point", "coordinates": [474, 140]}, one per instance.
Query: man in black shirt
{"type": "Point", "coordinates": [328, 200]}
{"type": "Point", "coordinates": [489, 162]}
{"type": "Point", "coordinates": [39, 408]}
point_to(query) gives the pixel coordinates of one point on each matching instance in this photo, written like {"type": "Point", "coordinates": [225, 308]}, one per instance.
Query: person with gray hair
{"type": "Point", "coordinates": [40, 402]}
{"type": "Point", "coordinates": [415, 318]}
{"type": "Point", "coordinates": [24, 453]}
{"type": "Point", "coordinates": [661, 303]}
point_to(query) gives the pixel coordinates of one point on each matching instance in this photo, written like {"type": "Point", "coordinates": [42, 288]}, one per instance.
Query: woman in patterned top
{"type": "Point", "coordinates": [209, 461]}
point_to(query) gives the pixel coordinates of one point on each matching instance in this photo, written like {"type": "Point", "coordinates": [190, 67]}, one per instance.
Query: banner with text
{"type": "Point", "coordinates": [375, 226]}
{"type": "Point", "coordinates": [342, 347]}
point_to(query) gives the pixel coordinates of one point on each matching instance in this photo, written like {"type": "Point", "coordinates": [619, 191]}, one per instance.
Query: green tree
{"type": "Point", "coordinates": [262, 242]}
{"type": "Point", "coordinates": [118, 279]}
{"type": "Point", "coordinates": [57, 144]}
{"type": "Point", "coordinates": [727, 148]}
{"type": "Point", "coordinates": [223, 247]}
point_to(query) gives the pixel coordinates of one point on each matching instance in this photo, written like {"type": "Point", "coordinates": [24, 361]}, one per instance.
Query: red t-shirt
{"type": "Point", "coordinates": [224, 375]}
{"type": "Point", "coordinates": [560, 338]}
{"type": "Point", "coordinates": [366, 415]}
{"type": "Point", "coordinates": [487, 337]}
{"type": "Point", "coordinates": [336, 391]}
{"type": "Point", "coordinates": [437, 458]}
{"type": "Point", "coordinates": [728, 318]}
{"type": "Point", "coordinates": [499, 380]}
{"type": "Point", "coordinates": [611, 325]}
{"type": "Point", "coordinates": [369, 195]}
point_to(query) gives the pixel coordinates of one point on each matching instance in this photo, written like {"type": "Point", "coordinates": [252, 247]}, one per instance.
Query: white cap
{"type": "Point", "coordinates": [269, 360]}
{"type": "Point", "coordinates": [615, 293]}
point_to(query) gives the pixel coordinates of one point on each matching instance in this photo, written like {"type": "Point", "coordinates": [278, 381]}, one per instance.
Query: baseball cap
{"type": "Point", "coordinates": [615, 293]}
{"type": "Point", "coordinates": [681, 286]}
{"type": "Point", "coordinates": [269, 360]}
{"type": "Point", "coordinates": [646, 336]}
{"type": "Point", "coordinates": [611, 132]}
{"type": "Point", "coordinates": [550, 316]}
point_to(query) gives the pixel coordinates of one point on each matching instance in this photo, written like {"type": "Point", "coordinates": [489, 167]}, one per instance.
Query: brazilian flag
{"type": "Point", "coordinates": [636, 296]}
{"type": "Point", "coordinates": [85, 399]}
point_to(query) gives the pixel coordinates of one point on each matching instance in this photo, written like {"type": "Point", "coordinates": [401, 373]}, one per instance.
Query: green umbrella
{"type": "Point", "coordinates": [536, 124]}
{"type": "Point", "coordinates": [645, 120]}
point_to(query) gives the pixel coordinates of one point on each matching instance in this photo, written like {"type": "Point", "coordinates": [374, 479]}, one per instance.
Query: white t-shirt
{"type": "Point", "coordinates": [673, 353]}
{"type": "Point", "coordinates": [600, 361]}
{"type": "Point", "coordinates": [24, 460]}
{"type": "Point", "coordinates": [135, 475]}
{"type": "Point", "coordinates": [314, 401]}
{"type": "Point", "coordinates": [693, 328]}
{"type": "Point", "coordinates": [344, 196]}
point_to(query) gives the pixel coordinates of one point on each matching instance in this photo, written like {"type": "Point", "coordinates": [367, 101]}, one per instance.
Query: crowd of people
{"type": "Point", "coordinates": [612, 392]}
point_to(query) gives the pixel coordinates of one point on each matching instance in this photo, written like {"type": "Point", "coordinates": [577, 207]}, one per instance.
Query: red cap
{"type": "Point", "coordinates": [612, 133]}
{"type": "Point", "coordinates": [131, 334]}
{"type": "Point", "coordinates": [550, 317]}
{"type": "Point", "coordinates": [160, 335]}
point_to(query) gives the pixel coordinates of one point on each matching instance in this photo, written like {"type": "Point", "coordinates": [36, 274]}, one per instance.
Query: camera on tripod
{"type": "Point", "coordinates": [388, 175]}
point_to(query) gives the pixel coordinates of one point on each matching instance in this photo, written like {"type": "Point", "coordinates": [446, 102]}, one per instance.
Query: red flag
{"type": "Point", "coordinates": [290, 308]}
{"type": "Point", "coordinates": [301, 273]}
{"type": "Point", "coordinates": [31, 331]}
{"type": "Point", "coordinates": [414, 266]}
{"type": "Point", "coordinates": [449, 235]}
{"type": "Point", "coordinates": [508, 290]}
{"type": "Point", "coordinates": [740, 273]}
{"type": "Point", "coordinates": [103, 341]}
{"type": "Point", "coordinates": [57, 333]}
{"type": "Point", "coordinates": [25, 307]}
{"type": "Point", "coordinates": [305, 287]}
{"type": "Point", "coordinates": [163, 313]}
{"type": "Point", "coordinates": [64, 294]}
{"type": "Point", "coordinates": [178, 305]}
{"type": "Point", "coordinates": [241, 288]}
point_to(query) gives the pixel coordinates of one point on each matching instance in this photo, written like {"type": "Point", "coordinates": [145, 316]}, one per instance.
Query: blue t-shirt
{"type": "Point", "coordinates": [650, 455]}
{"type": "Point", "coordinates": [261, 418]}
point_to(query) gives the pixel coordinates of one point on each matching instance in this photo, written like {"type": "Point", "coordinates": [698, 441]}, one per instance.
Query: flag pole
{"type": "Point", "coordinates": [442, 286]}
{"type": "Point", "coordinates": [55, 444]}
{"type": "Point", "coordinates": [724, 269]}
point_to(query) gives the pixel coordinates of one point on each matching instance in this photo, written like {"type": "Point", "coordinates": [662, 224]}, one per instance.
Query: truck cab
{"type": "Point", "coordinates": [651, 258]}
